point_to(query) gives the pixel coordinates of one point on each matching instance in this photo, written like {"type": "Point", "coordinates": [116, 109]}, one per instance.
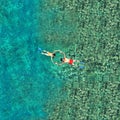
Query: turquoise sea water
{"type": "Point", "coordinates": [26, 77]}
{"type": "Point", "coordinates": [31, 87]}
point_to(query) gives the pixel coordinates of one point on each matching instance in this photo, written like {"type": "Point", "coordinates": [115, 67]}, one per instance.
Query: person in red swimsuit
{"type": "Point", "coordinates": [69, 61]}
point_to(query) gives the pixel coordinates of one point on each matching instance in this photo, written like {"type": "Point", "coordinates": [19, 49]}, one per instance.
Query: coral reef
{"type": "Point", "coordinates": [90, 33]}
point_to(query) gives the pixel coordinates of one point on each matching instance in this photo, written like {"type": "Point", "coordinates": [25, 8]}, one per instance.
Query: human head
{"type": "Point", "coordinates": [54, 54]}
{"type": "Point", "coordinates": [61, 59]}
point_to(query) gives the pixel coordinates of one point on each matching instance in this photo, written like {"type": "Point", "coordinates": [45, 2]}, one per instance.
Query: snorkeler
{"type": "Point", "coordinates": [49, 54]}
{"type": "Point", "coordinates": [63, 59]}
{"type": "Point", "coordinates": [69, 61]}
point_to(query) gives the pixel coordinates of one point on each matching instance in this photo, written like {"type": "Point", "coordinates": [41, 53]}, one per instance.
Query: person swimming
{"type": "Point", "coordinates": [47, 53]}
{"type": "Point", "coordinates": [63, 60]}
{"type": "Point", "coordinates": [69, 61]}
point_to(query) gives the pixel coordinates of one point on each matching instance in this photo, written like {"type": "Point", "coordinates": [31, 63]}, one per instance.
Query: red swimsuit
{"type": "Point", "coordinates": [71, 61]}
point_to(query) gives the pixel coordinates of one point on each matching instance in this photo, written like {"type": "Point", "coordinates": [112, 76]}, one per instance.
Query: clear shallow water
{"type": "Point", "coordinates": [30, 85]}
{"type": "Point", "coordinates": [27, 79]}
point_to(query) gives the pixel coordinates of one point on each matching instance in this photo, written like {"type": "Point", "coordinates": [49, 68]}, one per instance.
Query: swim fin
{"type": "Point", "coordinates": [82, 65]}
{"type": "Point", "coordinates": [39, 49]}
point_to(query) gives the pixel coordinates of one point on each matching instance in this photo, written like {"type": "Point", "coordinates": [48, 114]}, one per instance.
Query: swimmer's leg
{"type": "Point", "coordinates": [44, 52]}
{"type": "Point", "coordinates": [76, 61]}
